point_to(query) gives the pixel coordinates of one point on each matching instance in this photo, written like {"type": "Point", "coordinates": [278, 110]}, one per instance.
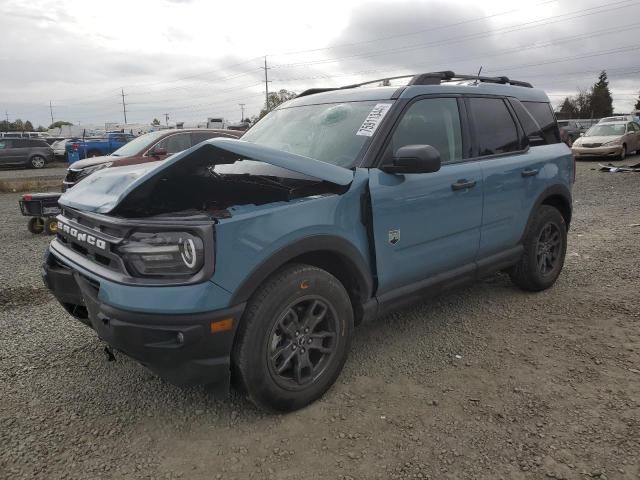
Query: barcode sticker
{"type": "Point", "coordinates": [373, 119]}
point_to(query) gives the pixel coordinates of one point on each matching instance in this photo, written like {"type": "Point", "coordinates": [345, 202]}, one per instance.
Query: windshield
{"type": "Point", "coordinates": [327, 132]}
{"type": "Point", "coordinates": [138, 145]}
{"type": "Point", "coordinates": [606, 130]}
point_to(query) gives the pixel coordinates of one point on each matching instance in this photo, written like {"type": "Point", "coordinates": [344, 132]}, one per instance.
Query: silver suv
{"type": "Point", "coordinates": [26, 152]}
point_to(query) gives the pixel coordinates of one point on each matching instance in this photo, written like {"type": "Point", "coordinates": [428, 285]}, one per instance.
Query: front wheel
{"type": "Point", "coordinates": [623, 153]}
{"type": "Point", "coordinates": [294, 338]}
{"type": "Point", "coordinates": [37, 161]}
{"type": "Point", "coordinates": [545, 246]}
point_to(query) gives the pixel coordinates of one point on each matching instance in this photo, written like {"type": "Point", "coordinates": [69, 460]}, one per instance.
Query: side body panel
{"type": "Point", "coordinates": [512, 185]}
{"type": "Point", "coordinates": [423, 227]}
{"type": "Point", "coordinates": [253, 235]}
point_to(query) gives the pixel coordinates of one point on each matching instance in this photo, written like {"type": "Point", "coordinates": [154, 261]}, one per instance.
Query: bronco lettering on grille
{"type": "Point", "coordinates": [82, 236]}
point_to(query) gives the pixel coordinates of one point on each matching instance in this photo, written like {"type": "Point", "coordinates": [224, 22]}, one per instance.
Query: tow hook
{"type": "Point", "coordinates": [108, 351]}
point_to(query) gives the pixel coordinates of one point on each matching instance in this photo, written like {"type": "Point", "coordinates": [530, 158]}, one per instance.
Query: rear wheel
{"type": "Point", "coordinates": [545, 246]}
{"type": "Point", "coordinates": [37, 161]}
{"type": "Point", "coordinates": [93, 153]}
{"type": "Point", "coordinates": [35, 225]}
{"type": "Point", "coordinates": [294, 338]}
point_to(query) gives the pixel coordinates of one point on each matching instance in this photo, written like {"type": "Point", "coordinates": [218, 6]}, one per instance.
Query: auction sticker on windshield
{"type": "Point", "coordinates": [373, 119]}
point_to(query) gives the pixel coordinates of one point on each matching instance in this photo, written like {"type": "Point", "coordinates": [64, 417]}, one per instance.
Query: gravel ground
{"type": "Point", "coordinates": [486, 382]}
{"type": "Point", "coordinates": [51, 170]}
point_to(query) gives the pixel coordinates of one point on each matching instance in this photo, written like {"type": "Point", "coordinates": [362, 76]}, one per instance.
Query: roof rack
{"type": "Point", "coordinates": [429, 78]}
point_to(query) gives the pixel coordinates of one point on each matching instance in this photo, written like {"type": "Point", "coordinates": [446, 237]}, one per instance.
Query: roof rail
{"type": "Point", "coordinates": [428, 78]}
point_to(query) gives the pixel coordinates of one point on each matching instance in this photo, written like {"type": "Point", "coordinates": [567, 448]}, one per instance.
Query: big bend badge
{"type": "Point", "coordinates": [394, 236]}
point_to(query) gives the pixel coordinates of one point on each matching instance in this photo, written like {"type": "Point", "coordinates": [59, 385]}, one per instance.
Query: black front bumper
{"type": "Point", "coordinates": [196, 357]}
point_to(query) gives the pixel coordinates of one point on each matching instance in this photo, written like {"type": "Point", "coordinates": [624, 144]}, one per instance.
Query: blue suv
{"type": "Point", "coordinates": [252, 260]}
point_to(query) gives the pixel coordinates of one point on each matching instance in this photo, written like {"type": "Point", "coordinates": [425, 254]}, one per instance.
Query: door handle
{"type": "Point", "coordinates": [463, 184]}
{"type": "Point", "coordinates": [530, 172]}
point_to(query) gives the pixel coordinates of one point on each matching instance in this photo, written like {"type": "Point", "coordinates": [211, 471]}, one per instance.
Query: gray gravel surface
{"type": "Point", "coordinates": [486, 382]}
{"type": "Point", "coordinates": [52, 170]}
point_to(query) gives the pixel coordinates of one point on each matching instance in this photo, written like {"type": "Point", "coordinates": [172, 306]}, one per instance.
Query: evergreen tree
{"type": "Point", "coordinates": [637, 106]}
{"type": "Point", "coordinates": [601, 101]}
{"type": "Point", "coordinates": [28, 127]}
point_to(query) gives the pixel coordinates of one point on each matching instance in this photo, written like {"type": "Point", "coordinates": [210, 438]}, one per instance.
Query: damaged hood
{"type": "Point", "coordinates": [105, 189]}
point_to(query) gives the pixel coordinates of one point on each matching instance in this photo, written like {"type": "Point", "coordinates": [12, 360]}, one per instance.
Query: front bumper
{"type": "Point", "coordinates": [196, 357]}
{"type": "Point", "coordinates": [611, 151]}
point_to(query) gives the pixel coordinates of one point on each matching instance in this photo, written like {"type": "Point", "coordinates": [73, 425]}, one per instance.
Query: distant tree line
{"type": "Point", "coordinates": [19, 126]}
{"type": "Point", "coordinates": [595, 102]}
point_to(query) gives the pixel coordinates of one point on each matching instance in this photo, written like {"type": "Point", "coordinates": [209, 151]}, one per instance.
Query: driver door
{"type": "Point", "coordinates": [426, 224]}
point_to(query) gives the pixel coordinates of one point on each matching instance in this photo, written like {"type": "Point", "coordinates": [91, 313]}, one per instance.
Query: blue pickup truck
{"type": "Point", "coordinates": [252, 260]}
{"type": "Point", "coordinates": [97, 147]}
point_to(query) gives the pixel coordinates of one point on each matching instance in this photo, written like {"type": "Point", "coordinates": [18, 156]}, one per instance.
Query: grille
{"type": "Point", "coordinates": [591, 145]}
{"type": "Point", "coordinates": [87, 245]}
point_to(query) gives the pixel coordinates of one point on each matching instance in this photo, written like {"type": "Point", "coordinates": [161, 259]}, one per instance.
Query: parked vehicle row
{"type": "Point", "coordinates": [96, 147]}
{"type": "Point", "coordinates": [254, 259]}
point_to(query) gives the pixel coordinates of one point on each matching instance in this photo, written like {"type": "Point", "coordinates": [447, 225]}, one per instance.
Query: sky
{"type": "Point", "coordinates": [193, 59]}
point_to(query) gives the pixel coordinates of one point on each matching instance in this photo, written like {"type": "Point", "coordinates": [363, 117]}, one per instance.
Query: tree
{"type": "Point", "coordinates": [155, 122]}
{"type": "Point", "coordinates": [275, 99]}
{"type": "Point", "coordinates": [569, 109]}
{"type": "Point", "coordinates": [60, 123]}
{"type": "Point", "coordinates": [637, 105]}
{"type": "Point", "coordinates": [18, 125]}
{"type": "Point", "coordinates": [28, 126]}
{"type": "Point", "coordinates": [41, 129]}
{"type": "Point", "coordinates": [601, 101]}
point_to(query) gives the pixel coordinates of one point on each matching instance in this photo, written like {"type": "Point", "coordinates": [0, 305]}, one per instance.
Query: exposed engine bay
{"type": "Point", "coordinates": [212, 189]}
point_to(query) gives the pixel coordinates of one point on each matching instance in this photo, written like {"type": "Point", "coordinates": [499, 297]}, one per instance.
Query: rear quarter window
{"type": "Point", "coordinates": [543, 114]}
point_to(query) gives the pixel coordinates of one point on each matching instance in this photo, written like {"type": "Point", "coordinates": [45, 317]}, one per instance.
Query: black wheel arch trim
{"type": "Point", "coordinates": [347, 252]}
{"type": "Point", "coordinates": [552, 191]}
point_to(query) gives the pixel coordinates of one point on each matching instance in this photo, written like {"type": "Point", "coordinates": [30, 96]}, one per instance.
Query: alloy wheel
{"type": "Point", "coordinates": [548, 248]}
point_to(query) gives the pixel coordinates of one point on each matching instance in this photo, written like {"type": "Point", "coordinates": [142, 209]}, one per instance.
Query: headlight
{"type": "Point", "coordinates": [163, 254]}
{"type": "Point", "coordinates": [611, 143]}
{"type": "Point", "coordinates": [89, 170]}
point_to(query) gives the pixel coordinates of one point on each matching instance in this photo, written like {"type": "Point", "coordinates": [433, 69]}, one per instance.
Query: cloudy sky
{"type": "Point", "coordinates": [194, 59]}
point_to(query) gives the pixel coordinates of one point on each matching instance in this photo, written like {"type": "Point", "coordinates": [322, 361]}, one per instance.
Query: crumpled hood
{"type": "Point", "coordinates": [105, 189]}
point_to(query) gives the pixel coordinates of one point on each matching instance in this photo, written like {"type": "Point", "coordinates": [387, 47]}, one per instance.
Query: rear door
{"type": "Point", "coordinates": [7, 154]}
{"type": "Point", "coordinates": [428, 223]}
{"type": "Point", "coordinates": [505, 148]}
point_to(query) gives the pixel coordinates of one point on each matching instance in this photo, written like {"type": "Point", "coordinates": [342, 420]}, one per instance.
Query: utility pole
{"type": "Point", "coordinates": [7, 116]}
{"type": "Point", "coordinates": [266, 85]}
{"type": "Point", "coordinates": [166, 119]}
{"type": "Point", "coordinates": [242, 110]}
{"type": "Point", "coordinates": [51, 110]}
{"type": "Point", "coordinates": [124, 107]}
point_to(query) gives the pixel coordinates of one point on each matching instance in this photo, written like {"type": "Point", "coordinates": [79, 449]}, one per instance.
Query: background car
{"type": "Point", "coordinates": [96, 147]}
{"type": "Point", "coordinates": [59, 147]}
{"type": "Point", "coordinates": [570, 131]}
{"type": "Point", "coordinates": [617, 118]}
{"type": "Point", "coordinates": [26, 152]}
{"type": "Point", "coordinates": [150, 147]}
{"type": "Point", "coordinates": [612, 139]}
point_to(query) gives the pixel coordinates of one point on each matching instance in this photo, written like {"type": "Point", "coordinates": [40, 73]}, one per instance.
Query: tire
{"type": "Point", "coordinates": [93, 153]}
{"type": "Point", "coordinates": [623, 153]}
{"type": "Point", "coordinates": [37, 161]}
{"type": "Point", "coordinates": [273, 362]}
{"type": "Point", "coordinates": [35, 225]}
{"type": "Point", "coordinates": [545, 246]}
{"type": "Point", "coordinates": [51, 226]}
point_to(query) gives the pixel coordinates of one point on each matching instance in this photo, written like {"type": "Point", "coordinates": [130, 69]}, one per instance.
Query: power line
{"type": "Point", "coordinates": [473, 36]}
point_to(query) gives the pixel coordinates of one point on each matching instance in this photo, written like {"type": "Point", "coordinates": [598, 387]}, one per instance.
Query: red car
{"type": "Point", "coordinates": [150, 147]}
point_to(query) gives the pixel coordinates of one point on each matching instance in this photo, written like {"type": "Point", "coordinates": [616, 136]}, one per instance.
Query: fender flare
{"type": "Point", "coordinates": [554, 190]}
{"type": "Point", "coordinates": [347, 252]}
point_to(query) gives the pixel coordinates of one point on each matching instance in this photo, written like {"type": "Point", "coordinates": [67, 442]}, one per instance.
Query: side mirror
{"type": "Point", "coordinates": [158, 152]}
{"type": "Point", "coordinates": [415, 159]}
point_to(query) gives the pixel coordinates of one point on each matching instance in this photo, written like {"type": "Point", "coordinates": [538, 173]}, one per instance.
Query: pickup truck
{"type": "Point", "coordinates": [96, 147]}
{"type": "Point", "coordinates": [252, 260]}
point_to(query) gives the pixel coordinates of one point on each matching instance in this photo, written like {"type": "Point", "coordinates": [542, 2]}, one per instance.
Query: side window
{"type": "Point", "coordinates": [433, 121]}
{"type": "Point", "coordinates": [176, 143]}
{"type": "Point", "coordinates": [496, 131]}
{"type": "Point", "coordinates": [19, 143]}
{"type": "Point", "coordinates": [4, 144]}
{"type": "Point", "coordinates": [636, 127]}
{"type": "Point", "coordinates": [197, 137]}
{"type": "Point", "coordinates": [531, 128]}
{"type": "Point", "coordinates": [543, 114]}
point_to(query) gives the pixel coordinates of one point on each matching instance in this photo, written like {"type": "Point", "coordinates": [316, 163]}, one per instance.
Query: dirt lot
{"type": "Point", "coordinates": [488, 382]}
